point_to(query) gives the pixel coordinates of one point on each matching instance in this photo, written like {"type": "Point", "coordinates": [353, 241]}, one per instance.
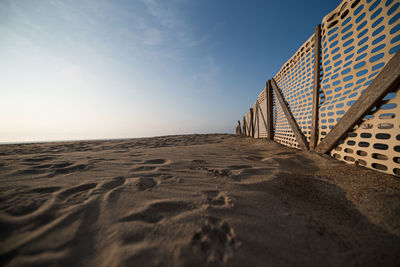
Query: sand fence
{"type": "Point", "coordinates": [339, 93]}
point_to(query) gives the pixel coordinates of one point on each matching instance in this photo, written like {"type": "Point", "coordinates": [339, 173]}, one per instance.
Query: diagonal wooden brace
{"type": "Point", "coordinates": [263, 118]}
{"type": "Point", "coordinates": [387, 80]}
{"type": "Point", "coordinates": [292, 122]}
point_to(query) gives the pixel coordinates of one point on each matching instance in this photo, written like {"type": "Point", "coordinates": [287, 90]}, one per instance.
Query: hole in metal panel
{"type": "Point", "coordinates": [331, 17]}
{"type": "Point", "coordinates": [379, 166]}
{"type": "Point", "coordinates": [379, 156]}
{"type": "Point", "coordinates": [387, 116]}
{"type": "Point", "coordinates": [355, 3]}
{"type": "Point", "coordinates": [381, 146]}
{"type": "Point", "coordinates": [385, 125]}
{"type": "Point", "coordinates": [365, 135]}
{"type": "Point", "coordinates": [396, 160]}
{"type": "Point", "coordinates": [363, 144]}
{"type": "Point", "coordinates": [344, 14]}
{"type": "Point", "coordinates": [348, 150]}
{"type": "Point", "coordinates": [348, 158]}
{"type": "Point", "coordinates": [362, 153]}
{"type": "Point", "coordinates": [361, 162]}
{"type": "Point", "coordinates": [382, 136]}
{"type": "Point", "coordinates": [332, 24]}
{"type": "Point", "coordinates": [351, 143]}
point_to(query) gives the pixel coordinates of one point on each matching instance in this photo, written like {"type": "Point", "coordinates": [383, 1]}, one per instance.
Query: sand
{"type": "Point", "coordinates": [192, 200]}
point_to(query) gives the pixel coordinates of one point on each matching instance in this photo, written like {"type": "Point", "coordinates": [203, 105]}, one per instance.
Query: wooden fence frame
{"type": "Point", "coordinates": [386, 81]}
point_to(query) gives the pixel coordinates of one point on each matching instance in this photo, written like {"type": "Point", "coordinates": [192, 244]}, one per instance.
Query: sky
{"type": "Point", "coordinates": [97, 69]}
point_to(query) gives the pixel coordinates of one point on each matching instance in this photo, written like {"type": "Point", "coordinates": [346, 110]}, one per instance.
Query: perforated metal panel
{"type": "Point", "coordinates": [283, 134]}
{"type": "Point", "coordinates": [263, 119]}
{"type": "Point", "coordinates": [358, 39]}
{"type": "Point", "coordinates": [295, 79]}
{"type": "Point", "coordinates": [375, 143]}
{"type": "Point", "coordinates": [260, 116]}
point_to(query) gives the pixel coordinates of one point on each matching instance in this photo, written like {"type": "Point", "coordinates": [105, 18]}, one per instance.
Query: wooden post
{"type": "Point", "coordinates": [244, 126]}
{"type": "Point", "coordinates": [269, 102]}
{"type": "Point", "coordinates": [387, 80]}
{"type": "Point", "coordinates": [316, 87]}
{"type": "Point", "coordinates": [251, 123]}
{"type": "Point", "coordinates": [258, 120]}
{"type": "Point", "coordinates": [292, 122]}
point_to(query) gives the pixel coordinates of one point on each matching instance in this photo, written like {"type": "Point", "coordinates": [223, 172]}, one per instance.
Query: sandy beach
{"type": "Point", "coordinates": [192, 200]}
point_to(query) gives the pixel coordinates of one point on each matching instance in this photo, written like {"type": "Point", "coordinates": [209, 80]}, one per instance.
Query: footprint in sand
{"type": "Point", "coordinates": [158, 211]}
{"type": "Point", "coordinates": [136, 154]}
{"type": "Point", "coordinates": [247, 173]}
{"type": "Point", "coordinates": [27, 202]}
{"type": "Point", "coordinates": [144, 168]}
{"type": "Point", "coordinates": [43, 166]}
{"type": "Point", "coordinates": [239, 167]}
{"type": "Point", "coordinates": [110, 189]}
{"type": "Point", "coordinates": [254, 158]}
{"type": "Point", "coordinates": [216, 198]}
{"type": "Point", "coordinates": [133, 238]}
{"type": "Point", "coordinates": [197, 164]}
{"type": "Point", "coordinates": [163, 178]}
{"type": "Point", "coordinates": [219, 172]}
{"type": "Point", "coordinates": [216, 241]}
{"type": "Point", "coordinates": [117, 181]}
{"type": "Point", "coordinates": [77, 194]}
{"type": "Point", "coordinates": [199, 161]}
{"type": "Point", "coordinates": [54, 169]}
{"type": "Point", "coordinates": [145, 183]}
{"type": "Point", "coordinates": [61, 165]}
{"type": "Point", "coordinates": [31, 171]}
{"type": "Point", "coordinates": [155, 161]}
{"type": "Point", "coordinates": [170, 179]}
{"type": "Point", "coordinates": [39, 159]}
{"type": "Point", "coordinates": [50, 189]}
{"type": "Point", "coordinates": [151, 165]}
{"type": "Point", "coordinates": [68, 167]}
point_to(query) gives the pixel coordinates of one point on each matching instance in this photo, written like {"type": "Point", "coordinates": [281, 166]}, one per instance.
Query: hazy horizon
{"type": "Point", "coordinates": [83, 70]}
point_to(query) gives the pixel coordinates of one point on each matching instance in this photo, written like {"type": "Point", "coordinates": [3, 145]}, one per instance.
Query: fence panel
{"type": "Point", "coordinates": [295, 79]}
{"type": "Point", "coordinates": [358, 39]}
{"type": "Point", "coordinates": [262, 109]}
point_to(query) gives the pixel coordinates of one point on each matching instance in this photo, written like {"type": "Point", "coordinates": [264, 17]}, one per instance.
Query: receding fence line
{"type": "Point", "coordinates": [339, 93]}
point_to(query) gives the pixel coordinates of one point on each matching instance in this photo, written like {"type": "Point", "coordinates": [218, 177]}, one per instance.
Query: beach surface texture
{"type": "Point", "coordinates": [192, 200]}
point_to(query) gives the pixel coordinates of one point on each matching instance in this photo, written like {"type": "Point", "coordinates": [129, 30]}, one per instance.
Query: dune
{"type": "Point", "coordinates": [192, 200]}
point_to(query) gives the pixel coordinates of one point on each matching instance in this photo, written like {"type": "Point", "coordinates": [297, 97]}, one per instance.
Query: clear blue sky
{"type": "Point", "coordinates": [118, 69]}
